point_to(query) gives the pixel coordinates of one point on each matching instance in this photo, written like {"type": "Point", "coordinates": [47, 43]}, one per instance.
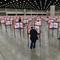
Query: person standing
{"type": "Point", "coordinates": [33, 37]}
{"type": "Point", "coordinates": [19, 19]}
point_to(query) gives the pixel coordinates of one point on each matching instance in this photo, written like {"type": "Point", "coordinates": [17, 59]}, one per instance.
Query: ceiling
{"type": "Point", "coordinates": [30, 4]}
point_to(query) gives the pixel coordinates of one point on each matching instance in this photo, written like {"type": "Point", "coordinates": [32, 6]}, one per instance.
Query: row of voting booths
{"type": "Point", "coordinates": [36, 21]}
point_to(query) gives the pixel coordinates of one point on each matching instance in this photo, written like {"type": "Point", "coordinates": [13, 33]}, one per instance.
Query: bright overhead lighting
{"type": "Point", "coordinates": [5, 0]}
{"type": "Point", "coordinates": [45, 3]}
{"type": "Point", "coordinates": [20, 2]}
{"type": "Point", "coordinates": [48, 4]}
{"type": "Point", "coordinates": [56, 0]}
{"type": "Point", "coordinates": [41, 4]}
{"type": "Point", "coordinates": [23, 1]}
{"type": "Point", "coordinates": [34, 1]}
{"type": "Point", "coordinates": [16, 0]}
{"type": "Point", "coordinates": [28, 0]}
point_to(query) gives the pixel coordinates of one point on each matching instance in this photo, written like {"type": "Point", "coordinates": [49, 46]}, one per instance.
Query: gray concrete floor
{"type": "Point", "coordinates": [14, 46]}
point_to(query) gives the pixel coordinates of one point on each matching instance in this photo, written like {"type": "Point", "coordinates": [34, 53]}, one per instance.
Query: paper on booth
{"type": "Point", "coordinates": [8, 22]}
{"type": "Point", "coordinates": [38, 23]}
{"type": "Point", "coordinates": [17, 25]}
{"type": "Point", "coordinates": [53, 25]}
{"type": "Point", "coordinates": [37, 29]}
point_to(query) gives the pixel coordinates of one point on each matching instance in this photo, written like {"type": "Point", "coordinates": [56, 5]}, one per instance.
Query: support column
{"type": "Point", "coordinates": [52, 10]}
{"type": "Point", "coordinates": [24, 13]}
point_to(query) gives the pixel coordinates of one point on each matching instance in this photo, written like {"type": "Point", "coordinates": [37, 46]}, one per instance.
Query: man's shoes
{"type": "Point", "coordinates": [33, 46]}
{"type": "Point", "coordinates": [30, 47]}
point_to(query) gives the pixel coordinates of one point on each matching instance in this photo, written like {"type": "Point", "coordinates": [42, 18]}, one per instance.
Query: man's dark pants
{"type": "Point", "coordinates": [33, 44]}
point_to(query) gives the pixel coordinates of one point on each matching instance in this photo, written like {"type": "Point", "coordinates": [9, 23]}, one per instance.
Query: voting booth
{"type": "Point", "coordinates": [16, 23]}
{"type": "Point", "coordinates": [53, 25]}
{"type": "Point", "coordinates": [29, 27]}
{"type": "Point", "coordinates": [2, 19]}
{"type": "Point", "coordinates": [37, 29]}
{"type": "Point", "coordinates": [25, 21]}
{"type": "Point", "coordinates": [8, 21]}
{"type": "Point", "coordinates": [38, 24]}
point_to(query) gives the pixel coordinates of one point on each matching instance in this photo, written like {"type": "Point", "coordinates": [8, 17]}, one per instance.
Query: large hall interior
{"type": "Point", "coordinates": [43, 15]}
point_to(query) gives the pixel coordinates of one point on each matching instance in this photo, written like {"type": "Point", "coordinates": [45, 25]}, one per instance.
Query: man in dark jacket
{"type": "Point", "coordinates": [33, 37]}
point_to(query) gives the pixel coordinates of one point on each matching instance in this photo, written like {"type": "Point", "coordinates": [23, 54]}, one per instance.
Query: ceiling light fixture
{"type": "Point", "coordinates": [5, 0]}
{"type": "Point", "coordinates": [16, 0]}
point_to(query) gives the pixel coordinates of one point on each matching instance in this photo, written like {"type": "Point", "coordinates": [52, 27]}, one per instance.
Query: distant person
{"type": "Point", "coordinates": [19, 20]}
{"type": "Point", "coordinates": [33, 37]}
